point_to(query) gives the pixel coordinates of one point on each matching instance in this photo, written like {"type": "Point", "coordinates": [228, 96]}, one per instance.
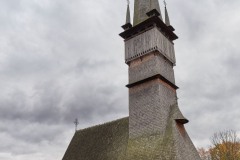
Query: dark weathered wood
{"type": "Point", "coordinates": [158, 76]}
{"type": "Point", "coordinates": [152, 21]}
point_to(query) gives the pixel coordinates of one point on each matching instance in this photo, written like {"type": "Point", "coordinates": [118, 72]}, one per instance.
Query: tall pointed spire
{"type": "Point", "coordinates": [141, 7]}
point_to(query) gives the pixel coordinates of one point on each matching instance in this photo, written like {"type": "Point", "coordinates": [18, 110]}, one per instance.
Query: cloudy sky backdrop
{"type": "Point", "coordinates": [61, 60]}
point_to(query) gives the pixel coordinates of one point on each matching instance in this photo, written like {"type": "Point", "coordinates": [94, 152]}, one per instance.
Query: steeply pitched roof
{"type": "Point", "coordinates": [110, 141]}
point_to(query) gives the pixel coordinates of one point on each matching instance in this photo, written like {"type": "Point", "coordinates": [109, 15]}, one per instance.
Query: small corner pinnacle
{"type": "Point", "coordinates": [128, 24]}
{"type": "Point", "coordinates": [167, 20]}
{"type": "Point", "coordinates": [128, 15]}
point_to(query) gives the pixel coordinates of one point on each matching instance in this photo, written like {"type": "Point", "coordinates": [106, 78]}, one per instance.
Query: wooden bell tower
{"type": "Point", "coordinates": [150, 55]}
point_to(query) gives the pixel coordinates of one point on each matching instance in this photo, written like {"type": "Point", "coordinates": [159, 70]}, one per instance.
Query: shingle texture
{"type": "Point", "coordinates": [141, 7]}
{"type": "Point", "coordinates": [154, 64]}
{"type": "Point", "coordinates": [154, 129]}
{"type": "Point", "coordinates": [111, 141]}
{"type": "Point", "coordinates": [103, 142]}
{"type": "Point", "coordinates": [149, 108]}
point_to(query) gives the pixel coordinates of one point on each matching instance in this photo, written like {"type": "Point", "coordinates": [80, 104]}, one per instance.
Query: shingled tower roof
{"type": "Point", "coordinates": [141, 7]}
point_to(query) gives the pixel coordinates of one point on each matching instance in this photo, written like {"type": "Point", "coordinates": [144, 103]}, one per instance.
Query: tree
{"type": "Point", "coordinates": [204, 154]}
{"type": "Point", "coordinates": [225, 146]}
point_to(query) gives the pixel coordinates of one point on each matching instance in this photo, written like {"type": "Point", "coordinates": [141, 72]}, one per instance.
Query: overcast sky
{"type": "Point", "coordinates": [61, 60]}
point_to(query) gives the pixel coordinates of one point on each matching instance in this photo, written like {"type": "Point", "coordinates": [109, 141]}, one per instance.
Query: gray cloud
{"type": "Point", "coordinates": [64, 60]}
{"type": "Point", "coordinates": [207, 73]}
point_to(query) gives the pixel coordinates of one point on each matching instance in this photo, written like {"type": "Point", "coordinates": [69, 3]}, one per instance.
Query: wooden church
{"type": "Point", "coordinates": [154, 129]}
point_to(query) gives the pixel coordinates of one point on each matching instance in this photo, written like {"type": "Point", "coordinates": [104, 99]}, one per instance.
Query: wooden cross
{"type": "Point", "coordinates": [76, 122]}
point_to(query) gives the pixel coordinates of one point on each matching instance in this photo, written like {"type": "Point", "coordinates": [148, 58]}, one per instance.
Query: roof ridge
{"type": "Point", "coordinates": [103, 124]}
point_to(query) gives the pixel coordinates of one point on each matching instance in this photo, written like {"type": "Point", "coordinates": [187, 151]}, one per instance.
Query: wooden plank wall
{"type": "Point", "coordinates": [147, 42]}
